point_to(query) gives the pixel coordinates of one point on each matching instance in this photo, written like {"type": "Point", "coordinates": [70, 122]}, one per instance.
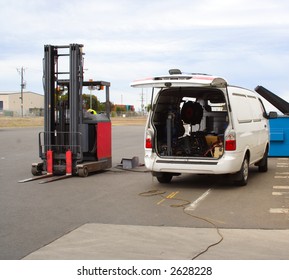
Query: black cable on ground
{"type": "Point", "coordinates": [183, 205]}
{"type": "Point", "coordinates": [119, 168]}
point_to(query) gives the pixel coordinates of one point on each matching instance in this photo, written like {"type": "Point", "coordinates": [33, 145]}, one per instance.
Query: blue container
{"type": "Point", "coordinates": [279, 137]}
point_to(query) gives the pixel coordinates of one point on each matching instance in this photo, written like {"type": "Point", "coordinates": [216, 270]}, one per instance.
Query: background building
{"type": "Point", "coordinates": [120, 109]}
{"type": "Point", "coordinates": [10, 103]}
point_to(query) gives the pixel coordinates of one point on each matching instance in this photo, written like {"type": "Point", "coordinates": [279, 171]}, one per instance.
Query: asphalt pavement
{"type": "Point", "coordinates": [104, 216]}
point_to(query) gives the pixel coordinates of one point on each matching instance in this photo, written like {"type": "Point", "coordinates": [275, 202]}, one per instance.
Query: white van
{"type": "Point", "coordinates": [200, 124]}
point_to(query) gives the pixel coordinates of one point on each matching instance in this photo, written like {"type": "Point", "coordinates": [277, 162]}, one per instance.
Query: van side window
{"type": "Point", "coordinates": [243, 109]}
{"type": "Point", "coordinates": [255, 108]}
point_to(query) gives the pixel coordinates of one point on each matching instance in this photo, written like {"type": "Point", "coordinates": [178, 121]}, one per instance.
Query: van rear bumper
{"type": "Point", "coordinates": [227, 164]}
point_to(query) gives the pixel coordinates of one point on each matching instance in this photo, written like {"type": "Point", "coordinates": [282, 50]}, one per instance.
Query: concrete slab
{"type": "Point", "coordinates": [108, 242]}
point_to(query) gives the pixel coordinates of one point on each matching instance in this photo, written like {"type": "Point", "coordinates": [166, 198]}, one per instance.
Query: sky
{"type": "Point", "coordinates": [244, 41]}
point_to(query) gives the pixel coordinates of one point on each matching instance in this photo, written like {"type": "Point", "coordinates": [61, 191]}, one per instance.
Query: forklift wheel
{"type": "Point", "coordinates": [83, 172]}
{"type": "Point", "coordinates": [36, 170]}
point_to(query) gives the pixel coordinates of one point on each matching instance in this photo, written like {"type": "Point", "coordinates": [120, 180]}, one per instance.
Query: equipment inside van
{"type": "Point", "coordinates": [190, 123]}
{"type": "Point", "coordinates": [200, 124]}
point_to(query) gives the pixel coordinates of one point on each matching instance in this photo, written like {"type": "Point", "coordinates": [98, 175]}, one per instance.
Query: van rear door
{"type": "Point", "coordinates": [180, 81]}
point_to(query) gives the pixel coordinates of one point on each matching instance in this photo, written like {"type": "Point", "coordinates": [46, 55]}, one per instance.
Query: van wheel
{"type": "Point", "coordinates": [263, 164]}
{"type": "Point", "coordinates": [243, 174]}
{"type": "Point", "coordinates": [164, 178]}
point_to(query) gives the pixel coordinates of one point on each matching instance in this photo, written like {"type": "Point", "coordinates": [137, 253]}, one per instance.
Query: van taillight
{"type": "Point", "coordinates": [231, 143]}
{"type": "Point", "coordinates": [148, 140]}
{"type": "Point", "coordinates": [149, 143]}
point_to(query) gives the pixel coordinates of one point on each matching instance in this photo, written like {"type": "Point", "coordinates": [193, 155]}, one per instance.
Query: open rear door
{"type": "Point", "coordinates": [182, 80]}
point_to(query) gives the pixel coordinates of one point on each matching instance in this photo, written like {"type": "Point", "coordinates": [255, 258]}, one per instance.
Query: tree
{"type": "Point", "coordinates": [148, 107]}
{"type": "Point", "coordinates": [62, 95]}
{"type": "Point", "coordinates": [95, 103]}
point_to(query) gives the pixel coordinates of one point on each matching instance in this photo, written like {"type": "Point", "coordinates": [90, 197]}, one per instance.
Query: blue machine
{"type": "Point", "coordinates": [279, 126]}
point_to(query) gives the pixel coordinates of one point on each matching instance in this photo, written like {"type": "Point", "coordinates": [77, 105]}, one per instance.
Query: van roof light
{"type": "Point", "coordinates": [175, 72]}
{"type": "Point", "coordinates": [219, 82]}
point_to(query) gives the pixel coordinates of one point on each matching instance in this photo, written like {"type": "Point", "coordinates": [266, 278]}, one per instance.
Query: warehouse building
{"type": "Point", "coordinates": [11, 105]}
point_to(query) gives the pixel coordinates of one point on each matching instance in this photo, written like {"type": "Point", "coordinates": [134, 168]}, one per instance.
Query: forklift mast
{"type": "Point", "coordinates": [55, 118]}
{"type": "Point", "coordinates": [74, 142]}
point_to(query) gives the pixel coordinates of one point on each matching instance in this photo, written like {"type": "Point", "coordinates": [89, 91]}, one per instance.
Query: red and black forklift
{"type": "Point", "coordinates": [74, 141]}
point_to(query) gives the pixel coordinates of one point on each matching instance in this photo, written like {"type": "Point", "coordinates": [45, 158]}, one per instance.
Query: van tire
{"type": "Point", "coordinates": [263, 164]}
{"type": "Point", "coordinates": [243, 174]}
{"type": "Point", "coordinates": [164, 178]}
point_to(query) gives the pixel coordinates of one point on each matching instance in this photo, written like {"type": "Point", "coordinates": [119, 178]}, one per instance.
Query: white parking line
{"type": "Point", "coordinates": [282, 165]}
{"type": "Point", "coordinates": [194, 204]}
{"type": "Point", "coordinates": [281, 187]}
{"type": "Point", "coordinates": [281, 190]}
{"type": "Point", "coordinates": [279, 210]}
{"type": "Point", "coordinates": [280, 193]}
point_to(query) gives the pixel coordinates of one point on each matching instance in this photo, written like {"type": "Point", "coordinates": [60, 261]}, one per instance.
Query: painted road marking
{"type": "Point", "coordinates": [280, 193]}
{"type": "Point", "coordinates": [279, 210]}
{"type": "Point", "coordinates": [282, 165]}
{"type": "Point", "coordinates": [281, 190]}
{"type": "Point", "coordinates": [194, 204]}
{"type": "Point", "coordinates": [281, 187]}
{"type": "Point", "coordinates": [169, 196]}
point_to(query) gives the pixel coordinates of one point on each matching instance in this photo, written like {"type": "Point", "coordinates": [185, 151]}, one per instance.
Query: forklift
{"type": "Point", "coordinates": [74, 141]}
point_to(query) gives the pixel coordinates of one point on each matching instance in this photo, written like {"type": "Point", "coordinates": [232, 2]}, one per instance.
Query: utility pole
{"type": "Point", "coordinates": [22, 86]}
{"type": "Point", "coordinates": [142, 102]}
